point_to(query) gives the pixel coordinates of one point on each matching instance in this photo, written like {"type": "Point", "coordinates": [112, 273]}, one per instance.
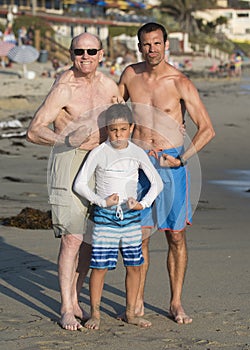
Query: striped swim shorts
{"type": "Point", "coordinates": [114, 232]}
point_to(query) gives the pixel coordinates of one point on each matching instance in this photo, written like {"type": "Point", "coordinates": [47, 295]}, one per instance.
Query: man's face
{"type": "Point", "coordinates": [86, 53]}
{"type": "Point", "coordinates": [152, 47]}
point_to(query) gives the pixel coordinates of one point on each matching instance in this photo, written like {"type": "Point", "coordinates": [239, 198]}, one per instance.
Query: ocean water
{"type": "Point", "coordinates": [245, 85]}
{"type": "Point", "coordinates": [237, 181]}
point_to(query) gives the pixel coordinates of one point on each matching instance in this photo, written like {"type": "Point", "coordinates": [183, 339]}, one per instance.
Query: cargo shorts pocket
{"type": "Point", "coordinates": [61, 210]}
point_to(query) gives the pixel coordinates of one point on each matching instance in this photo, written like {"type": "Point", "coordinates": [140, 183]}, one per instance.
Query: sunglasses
{"type": "Point", "coordinates": [90, 52]}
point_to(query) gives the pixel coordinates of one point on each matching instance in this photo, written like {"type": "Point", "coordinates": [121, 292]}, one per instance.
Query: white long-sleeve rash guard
{"type": "Point", "coordinates": [116, 171]}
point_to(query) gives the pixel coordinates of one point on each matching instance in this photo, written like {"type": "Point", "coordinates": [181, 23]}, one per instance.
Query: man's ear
{"type": "Point", "coordinates": [139, 47]}
{"type": "Point", "coordinates": [131, 128]}
{"type": "Point", "coordinates": [71, 55]}
{"type": "Point", "coordinates": [101, 54]}
{"type": "Point", "coordinates": [167, 45]}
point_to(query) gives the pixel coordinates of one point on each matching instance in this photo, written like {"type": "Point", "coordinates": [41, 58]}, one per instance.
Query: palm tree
{"type": "Point", "coordinates": [182, 11]}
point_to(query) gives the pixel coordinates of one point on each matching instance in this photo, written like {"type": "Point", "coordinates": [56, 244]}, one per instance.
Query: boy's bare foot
{"type": "Point", "coordinates": [93, 323]}
{"type": "Point", "coordinates": [138, 321]}
{"type": "Point", "coordinates": [179, 315]}
{"type": "Point", "coordinates": [69, 322]}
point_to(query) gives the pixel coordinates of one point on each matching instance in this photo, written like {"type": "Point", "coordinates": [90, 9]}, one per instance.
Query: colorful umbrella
{"type": "Point", "coordinates": [23, 54]}
{"type": "Point", "coordinates": [5, 47]}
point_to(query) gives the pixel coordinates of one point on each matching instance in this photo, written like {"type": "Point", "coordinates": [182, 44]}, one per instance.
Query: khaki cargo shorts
{"type": "Point", "coordinates": [71, 214]}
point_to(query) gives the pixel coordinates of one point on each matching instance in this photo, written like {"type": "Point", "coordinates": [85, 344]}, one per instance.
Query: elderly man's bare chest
{"type": "Point", "coordinates": [87, 99]}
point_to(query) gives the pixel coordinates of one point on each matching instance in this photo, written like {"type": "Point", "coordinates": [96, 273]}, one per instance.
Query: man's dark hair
{"type": "Point", "coordinates": [151, 27]}
{"type": "Point", "coordinates": [118, 111]}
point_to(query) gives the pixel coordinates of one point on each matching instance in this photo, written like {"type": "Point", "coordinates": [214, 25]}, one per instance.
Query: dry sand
{"type": "Point", "coordinates": [216, 292]}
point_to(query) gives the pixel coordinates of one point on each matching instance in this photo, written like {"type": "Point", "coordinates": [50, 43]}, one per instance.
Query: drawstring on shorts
{"type": "Point", "coordinates": [119, 212]}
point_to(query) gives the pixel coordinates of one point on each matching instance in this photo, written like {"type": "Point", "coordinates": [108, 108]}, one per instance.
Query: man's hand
{"type": "Point", "coordinates": [168, 161]}
{"type": "Point", "coordinates": [112, 200]}
{"type": "Point", "coordinates": [79, 136]}
{"type": "Point", "coordinates": [134, 204]}
{"type": "Point", "coordinates": [182, 129]}
{"type": "Point", "coordinates": [117, 99]}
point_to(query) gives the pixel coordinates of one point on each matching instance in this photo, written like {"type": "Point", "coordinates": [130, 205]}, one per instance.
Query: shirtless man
{"type": "Point", "coordinates": [78, 90]}
{"type": "Point", "coordinates": [156, 83]}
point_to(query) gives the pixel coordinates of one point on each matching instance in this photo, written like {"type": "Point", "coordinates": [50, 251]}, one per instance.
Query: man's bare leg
{"type": "Point", "coordinates": [80, 275]}
{"type": "Point", "coordinates": [67, 263]}
{"type": "Point", "coordinates": [132, 283]}
{"type": "Point", "coordinates": [96, 286]}
{"type": "Point", "coordinates": [177, 264]}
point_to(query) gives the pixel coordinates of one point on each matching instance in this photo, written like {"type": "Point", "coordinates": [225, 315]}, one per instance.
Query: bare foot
{"type": "Point", "coordinates": [81, 313]}
{"type": "Point", "coordinates": [69, 322]}
{"type": "Point", "coordinates": [93, 323]}
{"type": "Point", "coordinates": [138, 321]}
{"type": "Point", "coordinates": [139, 312]}
{"type": "Point", "coordinates": [179, 316]}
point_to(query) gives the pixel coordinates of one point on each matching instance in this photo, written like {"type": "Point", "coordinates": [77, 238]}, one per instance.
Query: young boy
{"type": "Point", "coordinates": [115, 164]}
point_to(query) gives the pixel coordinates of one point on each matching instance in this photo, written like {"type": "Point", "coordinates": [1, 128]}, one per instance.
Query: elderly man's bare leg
{"type": "Point", "coordinates": [67, 266]}
{"type": "Point", "coordinates": [177, 264]}
{"type": "Point", "coordinates": [80, 275]}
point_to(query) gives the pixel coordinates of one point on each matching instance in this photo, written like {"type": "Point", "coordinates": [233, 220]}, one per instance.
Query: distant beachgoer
{"type": "Point", "coordinates": [238, 64]}
{"type": "Point", "coordinates": [116, 165]}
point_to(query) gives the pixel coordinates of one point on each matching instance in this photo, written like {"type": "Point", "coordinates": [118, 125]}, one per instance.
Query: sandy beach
{"type": "Point", "coordinates": [216, 291]}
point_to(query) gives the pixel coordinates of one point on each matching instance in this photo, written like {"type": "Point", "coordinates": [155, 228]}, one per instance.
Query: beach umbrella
{"type": "Point", "coordinates": [5, 47]}
{"type": "Point", "coordinates": [23, 54]}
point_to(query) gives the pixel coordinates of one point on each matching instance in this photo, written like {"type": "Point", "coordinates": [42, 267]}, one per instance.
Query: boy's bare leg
{"type": "Point", "coordinates": [96, 286]}
{"type": "Point", "coordinates": [67, 263]}
{"type": "Point", "coordinates": [177, 264]}
{"type": "Point", "coordinates": [139, 308]}
{"type": "Point", "coordinates": [133, 274]}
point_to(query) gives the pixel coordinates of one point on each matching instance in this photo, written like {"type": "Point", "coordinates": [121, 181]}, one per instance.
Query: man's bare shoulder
{"type": "Point", "coordinates": [181, 81]}
{"type": "Point", "coordinates": [105, 79]}
{"type": "Point", "coordinates": [107, 84]}
{"type": "Point", "coordinates": [135, 68]}
{"type": "Point", "coordinates": [62, 87]}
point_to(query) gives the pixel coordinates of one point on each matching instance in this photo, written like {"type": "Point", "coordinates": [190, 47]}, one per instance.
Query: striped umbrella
{"type": "Point", "coordinates": [23, 54]}
{"type": "Point", "coordinates": [5, 47]}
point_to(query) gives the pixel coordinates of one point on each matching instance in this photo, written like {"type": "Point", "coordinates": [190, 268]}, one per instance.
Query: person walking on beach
{"type": "Point", "coordinates": [80, 89]}
{"type": "Point", "coordinates": [115, 164]}
{"type": "Point", "coordinates": [156, 84]}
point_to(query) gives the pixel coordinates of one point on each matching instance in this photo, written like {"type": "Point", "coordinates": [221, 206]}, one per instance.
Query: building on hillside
{"type": "Point", "coordinates": [237, 27]}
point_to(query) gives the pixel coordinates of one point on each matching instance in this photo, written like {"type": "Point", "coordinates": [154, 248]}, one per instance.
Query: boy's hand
{"type": "Point", "coordinates": [134, 204]}
{"type": "Point", "coordinates": [112, 200]}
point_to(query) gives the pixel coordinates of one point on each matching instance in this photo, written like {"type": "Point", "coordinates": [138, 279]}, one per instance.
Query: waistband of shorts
{"type": "Point", "coordinates": [171, 151]}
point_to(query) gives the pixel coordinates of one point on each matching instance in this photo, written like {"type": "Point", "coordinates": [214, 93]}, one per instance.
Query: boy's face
{"type": "Point", "coordinates": [119, 133]}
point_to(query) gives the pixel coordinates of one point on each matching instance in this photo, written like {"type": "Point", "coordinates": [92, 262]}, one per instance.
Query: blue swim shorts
{"type": "Point", "coordinates": [172, 208]}
{"type": "Point", "coordinates": [113, 233]}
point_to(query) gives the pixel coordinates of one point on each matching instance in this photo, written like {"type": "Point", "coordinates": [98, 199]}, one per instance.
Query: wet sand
{"type": "Point", "coordinates": [216, 290]}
